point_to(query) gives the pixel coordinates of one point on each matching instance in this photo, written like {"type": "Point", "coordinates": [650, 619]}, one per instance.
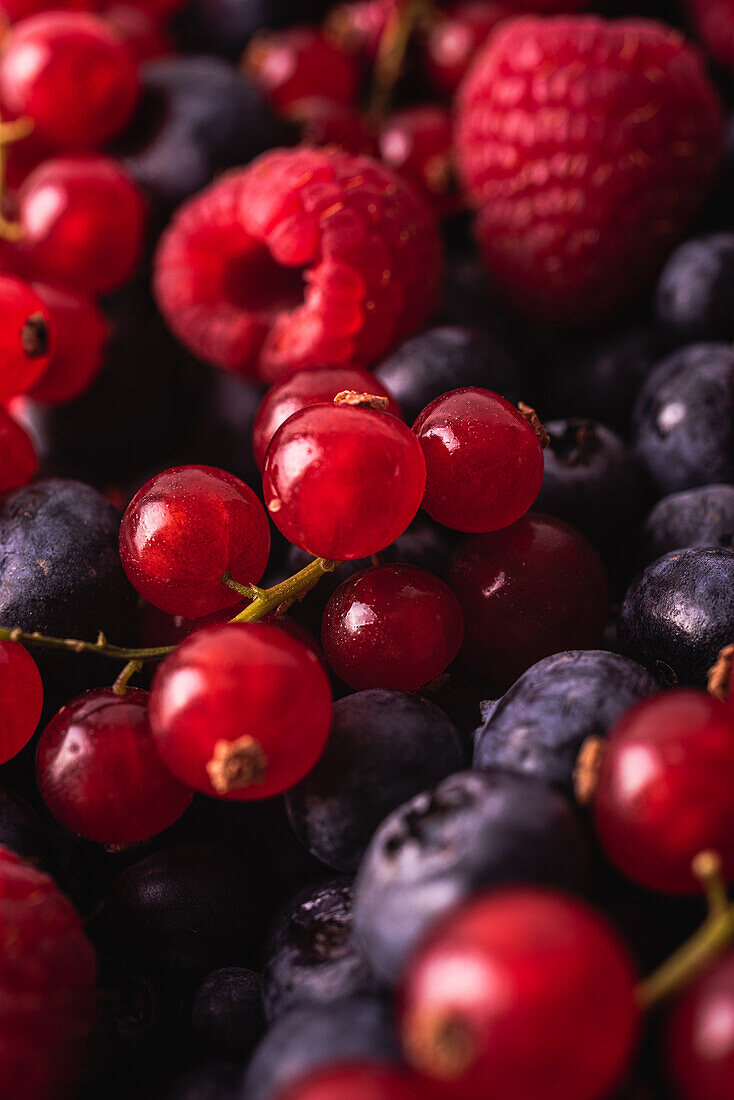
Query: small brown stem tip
{"type": "Point", "coordinates": [361, 400]}
{"type": "Point", "coordinates": [535, 423]}
{"type": "Point", "coordinates": [719, 677]}
{"type": "Point", "coordinates": [588, 766]}
{"type": "Point", "coordinates": [440, 1044]}
{"type": "Point", "coordinates": [34, 336]}
{"type": "Point", "coordinates": [237, 764]}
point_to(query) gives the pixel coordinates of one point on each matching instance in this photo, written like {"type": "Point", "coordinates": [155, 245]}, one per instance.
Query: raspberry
{"type": "Point", "coordinates": [47, 973]}
{"type": "Point", "coordinates": [587, 147]}
{"type": "Point", "coordinates": [308, 256]}
{"type": "Point", "coordinates": [714, 23]}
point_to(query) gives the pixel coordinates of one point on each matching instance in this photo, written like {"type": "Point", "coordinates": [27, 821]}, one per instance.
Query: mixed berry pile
{"type": "Point", "coordinates": [366, 550]}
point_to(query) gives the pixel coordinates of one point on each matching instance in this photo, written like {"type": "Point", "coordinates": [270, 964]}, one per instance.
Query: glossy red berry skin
{"type": "Point", "coordinates": [241, 711]}
{"type": "Point", "coordinates": [326, 122]}
{"type": "Point", "coordinates": [457, 35]}
{"type": "Point", "coordinates": [700, 1035]}
{"type": "Point", "coordinates": [99, 772]}
{"type": "Point", "coordinates": [46, 985]}
{"type": "Point", "coordinates": [343, 482]}
{"type": "Point", "coordinates": [510, 995]}
{"type": "Point", "coordinates": [80, 335]}
{"type": "Point", "coordinates": [299, 63]}
{"type": "Point", "coordinates": [83, 220]}
{"type": "Point", "coordinates": [394, 626]}
{"type": "Point", "coordinates": [417, 142]}
{"type": "Point", "coordinates": [26, 337]}
{"type": "Point", "coordinates": [21, 699]}
{"type": "Point", "coordinates": [663, 793]}
{"type": "Point", "coordinates": [19, 459]}
{"type": "Point", "coordinates": [358, 26]}
{"type": "Point", "coordinates": [484, 462]}
{"type": "Point", "coordinates": [575, 218]}
{"type": "Point", "coordinates": [534, 589]}
{"type": "Point", "coordinates": [72, 75]}
{"type": "Point", "coordinates": [140, 30]}
{"type": "Point", "coordinates": [311, 387]}
{"type": "Point", "coordinates": [305, 257]}
{"type": "Point", "coordinates": [184, 530]}
{"type": "Point", "coordinates": [357, 1082]}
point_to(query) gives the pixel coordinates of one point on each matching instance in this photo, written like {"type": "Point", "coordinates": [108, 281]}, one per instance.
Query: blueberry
{"type": "Point", "coordinates": [197, 116]}
{"type": "Point", "coordinates": [359, 1029]}
{"type": "Point", "coordinates": [442, 359]}
{"type": "Point", "coordinates": [128, 1016]}
{"type": "Point", "coordinates": [184, 911]}
{"type": "Point", "coordinates": [684, 418]}
{"type": "Point", "coordinates": [695, 294]}
{"type": "Point", "coordinates": [384, 747]}
{"type": "Point", "coordinates": [695, 517]}
{"type": "Point", "coordinates": [225, 27]}
{"type": "Point", "coordinates": [475, 829]}
{"type": "Point", "coordinates": [679, 613]}
{"type": "Point", "coordinates": [312, 955]}
{"type": "Point", "coordinates": [227, 1015]}
{"type": "Point", "coordinates": [539, 725]}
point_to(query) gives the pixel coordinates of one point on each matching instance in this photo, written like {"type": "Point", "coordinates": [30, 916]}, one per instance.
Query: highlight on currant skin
{"type": "Point", "coordinates": [366, 550]}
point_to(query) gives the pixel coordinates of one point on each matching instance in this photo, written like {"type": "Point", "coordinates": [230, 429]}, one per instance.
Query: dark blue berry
{"type": "Point", "coordinates": [225, 27]}
{"type": "Point", "coordinates": [227, 1015]}
{"type": "Point", "coordinates": [695, 294]}
{"type": "Point", "coordinates": [129, 1017]}
{"type": "Point", "coordinates": [539, 725]}
{"type": "Point", "coordinates": [695, 517]}
{"type": "Point", "coordinates": [679, 613]}
{"type": "Point", "coordinates": [384, 747]}
{"type": "Point", "coordinates": [474, 830]}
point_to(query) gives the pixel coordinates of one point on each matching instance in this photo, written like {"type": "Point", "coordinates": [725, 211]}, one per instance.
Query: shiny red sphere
{"type": "Point", "coordinates": [26, 337]}
{"type": "Point", "coordinates": [534, 589]}
{"type": "Point", "coordinates": [310, 387]}
{"type": "Point", "coordinates": [21, 699]}
{"type": "Point", "coordinates": [417, 143]}
{"type": "Point", "coordinates": [484, 462]}
{"type": "Point", "coordinates": [357, 1082]}
{"type": "Point", "coordinates": [455, 38]}
{"type": "Point", "coordinates": [343, 482]}
{"type": "Point", "coordinates": [394, 626]}
{"type": "Point", "coordinates": [99, 772]}
{"type": "Point", "coordinates": [184, 530]}
{"type": "Point", "coordinates": [241, 711]}
{"type": "Point", "coordinates": [83, 220]}
{"type": "Point", "coordinates": [19, 459]}
{"type": "Point", "coordinates": [326, 122]}
{"type": "Point", "coordinates": [80, 335]}
{"type": "Point", "coordinates": [665, 791]}
{"type": "Point", "coordinates": [300, 63]}
{"type": "Point", "coordinates": [71, 74]}
{"type": "Point", "coordinates": [701, 1035]}
{"type": "Point", "coordinates": [522, 994]}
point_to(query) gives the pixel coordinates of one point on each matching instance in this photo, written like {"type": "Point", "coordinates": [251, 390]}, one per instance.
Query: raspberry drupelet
{"type": "Point", "coordinates": [307, 256]}
{"type": "Point", "coordinates": [587, 148]}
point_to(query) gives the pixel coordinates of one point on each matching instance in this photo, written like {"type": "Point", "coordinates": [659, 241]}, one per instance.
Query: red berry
{"type": "Point", "coordinates": [484, 462]}
{"type": "Point", "coordinates": [534, 589]}
{"type": "Point", "coordinates": [241, 711]}
{"type": "Point", "coordinates": [26, 337]}
{"type": "Point", "coordinates": [358, 26]}
{"type": "Point", "coordinates": [140, 30]}
{"type": "Point", "coordinates": [456, 36]}
{"type": "Point", "coordinates": [664, 793]}
{"type": "Point", "coordinates": [583, 181]}
{"type": "Point", "coordinates": [343, 482]}
{"type": "Point", "coordinates": [19, 459]}
{"type": "Point", "coordinates": [299, 63]}
{"type": "Point", "coordinates": [83, 220]}
{"type": "Point", "coordinates": [701, 1036]}
{"type": "Point", "coordinates": [47, 974]}
{"type": "Point", "coordinates": [521, 994]}
{"type": "Point", "coordinates": [99, 772]}
{"type": "Point", "coordinates": [312, 387]}
{"type": "Point", "coordinates": [417, 143]}
{"type": "Point", "coordinates": [714, 24]}
{"type": "Point", "coordinates": [305, 257]}
{"type": "Point", "coordinates": [80, 335]}
{"type": "Point", "coordinates": [326, 122]}
{"type": "Point", "coordinates": [71, 74]}
{"type": "Point", "coordinates": [21, 699]}
{"type": "Point", "coordinates": [184, 530]}
{"type": "Point", "coordinates": [357, 1082]}
{"type": "Point", "coordinates": [395, 626]}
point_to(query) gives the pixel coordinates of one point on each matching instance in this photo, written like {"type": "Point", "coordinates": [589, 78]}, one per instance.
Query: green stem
{"type": "Point", "coordinates": [248, 591]}
{"type": "Point", "coordinates": [288, 590]}
{"type": "Point", "coordinates": [120, 685]}
{"type": "Point", "coordinates": [392, 50]}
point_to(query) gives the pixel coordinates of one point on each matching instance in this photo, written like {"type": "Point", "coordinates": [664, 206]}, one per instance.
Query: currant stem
{"type": "Point", "coordinates": [288, 590]}
{"type": "Point", "coordinates": [16, 130]}
{"type": "Point", "coordinates": [392, 49]}
{"type": "Point", "coordinates": [249, 591]}
{"type": "Point", "coordinates": [120, 685]}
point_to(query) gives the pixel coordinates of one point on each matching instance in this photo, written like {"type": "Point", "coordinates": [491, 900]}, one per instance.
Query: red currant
{"type": "Point", "coordinates": [71, 74]}
{"type": "Point", "coordinates": [309, 387]}
{"type": "Point", "coordinates": [326, 122]}
{"type": "Point", "coordinates": [300, 63]}
{"type": "Point", "coordinates": [534, 589]}
{"type": "Point", "coordinates": [484, 462]}
{"type": "Point", "coordinates": [99, 772]}
{"type": "Point", "coordinates": [358, 26]}
{"type": "Point", "coordinates": [343, 482]}
{"type": "Point", "coordinates": [511, 995]}
{"type": "Point", "coordinates": [417, 143]}
{"type": "Point", "coordinates": [80, 335]}
{"type": "Point", "coordinates": [21, 699]}
{"type": "Point", "coordinates": [664, 792]}
{"type": "Point", "coordinates": [455, 38]}
{"type": "Point", "coordinates": [19, 459]}
{"type": "Point", "coordinates": [241, 711]}
{"type": "Point", "coordinates": [395, 626]}
{"type": "Point", "coordinates": [357, 1082]}
{"type": "Point", "coordinates": [26, 337]}
{"type": "Point", "coordinates": [83, 220]}
{"type": "Point", "coordinates": [184, 530]}
{"type": "Point", "coordinates": [701, 1035]}
{"type": "Point", "coordinates": [141, 32]}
